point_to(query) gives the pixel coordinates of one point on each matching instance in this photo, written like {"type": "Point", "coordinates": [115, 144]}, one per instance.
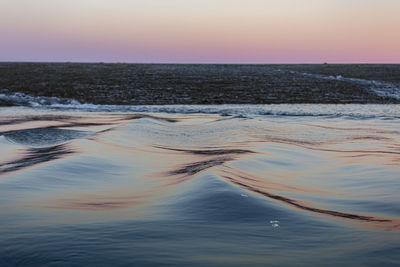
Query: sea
{"type": "Point", "coordinates": [199, 185]}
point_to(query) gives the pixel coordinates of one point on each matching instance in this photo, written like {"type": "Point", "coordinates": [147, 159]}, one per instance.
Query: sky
{"type": "Point", "coordinates": [201, 31]}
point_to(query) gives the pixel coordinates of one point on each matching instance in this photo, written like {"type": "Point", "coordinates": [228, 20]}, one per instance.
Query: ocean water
{"type": "Point", "coordinates": [230, 185]}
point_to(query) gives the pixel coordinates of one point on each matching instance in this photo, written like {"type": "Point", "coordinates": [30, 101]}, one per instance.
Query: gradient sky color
{"type": "Point", "coordinates": [207, 31]}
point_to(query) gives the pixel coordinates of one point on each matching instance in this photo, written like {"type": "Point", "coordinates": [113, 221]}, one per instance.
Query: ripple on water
{"type": "Point", "coordinates": [200, 188]}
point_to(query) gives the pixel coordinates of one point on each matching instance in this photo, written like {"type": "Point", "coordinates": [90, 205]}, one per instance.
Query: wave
{"type": "Point", "coordinates": [20, 99]}
{"type": "Point", "coordinates": [264, 157]}
{"type": "Point", "coordinates": [358, 111]}
{"type": "Point", "coordinates": [41, 137]}
{"type": "Point", "coordinates": [383, 89]}
{"type": "Point", "coordinates": [35, 156]}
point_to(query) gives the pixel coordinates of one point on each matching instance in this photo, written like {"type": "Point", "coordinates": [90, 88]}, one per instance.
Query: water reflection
{"type": "Point", "coordinates": [204, 169]}
{"type": "Point", "coordinates": [225, 142]}
{"type": "Point", "coordinates": [35, 156]}
{"type": "Point", "coordinates": [167, 181]}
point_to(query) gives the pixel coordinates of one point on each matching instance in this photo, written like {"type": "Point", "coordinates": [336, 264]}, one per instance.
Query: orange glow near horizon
{"type": "Point", "coordinates": [219, 31]}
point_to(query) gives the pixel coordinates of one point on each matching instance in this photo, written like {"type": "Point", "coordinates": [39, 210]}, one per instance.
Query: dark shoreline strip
{"type": "Point", "coordinates": [162, 84]}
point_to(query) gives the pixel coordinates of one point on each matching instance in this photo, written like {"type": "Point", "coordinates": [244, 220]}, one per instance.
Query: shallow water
{"type": "Point", "coordinates": [211, 185]}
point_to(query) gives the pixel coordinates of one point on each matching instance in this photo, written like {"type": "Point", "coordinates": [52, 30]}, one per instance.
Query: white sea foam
{"type": "Point", "coordinates": [240, 111]}
{"type": "Point", "coordinates": [384, 89]}
{"type": "Point", "coordinates": [21, 99]}
{"type": "Point", "coordinates": [274, 223]}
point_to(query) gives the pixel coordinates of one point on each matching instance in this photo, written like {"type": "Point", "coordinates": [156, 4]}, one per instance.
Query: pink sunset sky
{"type": "Point", "coordinates": [207, 31]}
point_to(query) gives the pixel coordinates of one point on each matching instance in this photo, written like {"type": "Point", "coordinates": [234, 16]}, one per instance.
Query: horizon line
{"type": "Point", "coordinates": [200, 63]}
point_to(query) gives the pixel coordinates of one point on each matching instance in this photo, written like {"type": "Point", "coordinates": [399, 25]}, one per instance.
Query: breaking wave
{"type": "Point", "coordinates": [358, 111]}
{"type": "Point", "coordinates": [384, 89]}
{"type": "Point", "coordinates": [21, 99]}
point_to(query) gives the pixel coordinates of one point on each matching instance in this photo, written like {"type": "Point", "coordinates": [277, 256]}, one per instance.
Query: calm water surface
{"type": "Point", "coordinates": [233, 185]}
